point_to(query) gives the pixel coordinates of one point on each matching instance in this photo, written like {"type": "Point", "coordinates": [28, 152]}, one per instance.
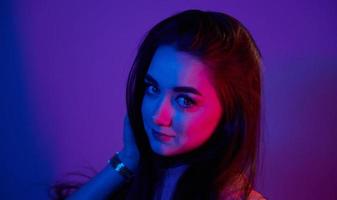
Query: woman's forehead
{"type": "Point", "coordinates": [170, 67]}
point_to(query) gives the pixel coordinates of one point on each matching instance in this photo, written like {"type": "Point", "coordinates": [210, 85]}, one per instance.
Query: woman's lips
{"type": "Point", "coordinates": [162, 137]}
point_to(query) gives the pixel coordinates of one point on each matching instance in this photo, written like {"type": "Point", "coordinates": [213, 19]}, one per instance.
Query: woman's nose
{"type": "Point", "coordinates": [163, 114]}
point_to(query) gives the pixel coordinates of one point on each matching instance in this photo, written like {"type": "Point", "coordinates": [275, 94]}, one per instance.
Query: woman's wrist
{"type": "Point", "coordinates": [118, 165]}
{"type": "Point", "coordinates": [130, 159]}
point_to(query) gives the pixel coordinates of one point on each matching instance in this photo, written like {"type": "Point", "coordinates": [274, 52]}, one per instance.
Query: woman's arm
{"type": "Point", "coordinates": [109, 180]}
{"type": "Point", "coordinates": [105, 182]}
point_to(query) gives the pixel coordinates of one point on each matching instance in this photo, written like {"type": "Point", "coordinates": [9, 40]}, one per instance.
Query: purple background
{"type": "Point", "coordinates": [63, 68]}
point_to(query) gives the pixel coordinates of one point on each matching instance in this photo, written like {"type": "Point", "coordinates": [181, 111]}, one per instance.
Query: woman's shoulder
{"type": "Point", "coordinates": [236, 191]}
{"type": "Point", "coordinates": [253, 195]}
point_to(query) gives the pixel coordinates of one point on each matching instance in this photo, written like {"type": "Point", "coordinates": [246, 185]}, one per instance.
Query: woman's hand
{"type": "Point", "coordinates": [130, 153]}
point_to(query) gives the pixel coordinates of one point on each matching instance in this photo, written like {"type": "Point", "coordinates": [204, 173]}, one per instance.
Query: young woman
{"type": "Point", "coordinates": [193, 124]}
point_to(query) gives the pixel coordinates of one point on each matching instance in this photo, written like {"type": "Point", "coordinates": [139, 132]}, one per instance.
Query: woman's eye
{"type": "Point", "coordinates": [151, 89]}
{"type": "Point", "coordinates": [185, 101]}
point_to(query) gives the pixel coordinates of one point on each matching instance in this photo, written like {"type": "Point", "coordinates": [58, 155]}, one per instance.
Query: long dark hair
{"type": "Point", "coordinates": [226, 164]}
{"type": "Point", "coordinates": [231, 54]}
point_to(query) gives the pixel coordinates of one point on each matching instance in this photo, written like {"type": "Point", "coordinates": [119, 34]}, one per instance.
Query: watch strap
{"type": "Point", "coordinates": [116, 163]}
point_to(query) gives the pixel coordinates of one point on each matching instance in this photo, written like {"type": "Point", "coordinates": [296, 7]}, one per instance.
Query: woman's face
{"type": "Point", "coordinates": [180, 107]}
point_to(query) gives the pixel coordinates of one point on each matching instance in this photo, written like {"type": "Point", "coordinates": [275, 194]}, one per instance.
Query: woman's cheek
{"type": "Point", "coordinates": [185, 126]}
{"type": "Point", "coordinates": [199, 127]}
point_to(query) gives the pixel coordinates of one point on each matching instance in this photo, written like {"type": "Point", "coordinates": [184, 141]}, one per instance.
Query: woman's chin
{"type": "Point", "coordinates": [165, 151]}
{"type": "Point", "coordinates": [162, 151]}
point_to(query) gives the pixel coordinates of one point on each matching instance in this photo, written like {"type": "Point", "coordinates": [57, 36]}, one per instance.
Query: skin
{"type": "Point", "coordinates": [177, 121]}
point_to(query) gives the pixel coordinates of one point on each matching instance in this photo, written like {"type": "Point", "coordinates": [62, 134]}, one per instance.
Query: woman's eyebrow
{"type": "Point", "coordinates": [187, 90]}
{"type": "Point", "coordinates": [183, 89]}
{"type": "Point", "coordinates": [149, 78]}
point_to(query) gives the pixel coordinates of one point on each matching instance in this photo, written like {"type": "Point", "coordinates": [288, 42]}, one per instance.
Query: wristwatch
{"type": "Point", "coordinates": [116, 163]}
